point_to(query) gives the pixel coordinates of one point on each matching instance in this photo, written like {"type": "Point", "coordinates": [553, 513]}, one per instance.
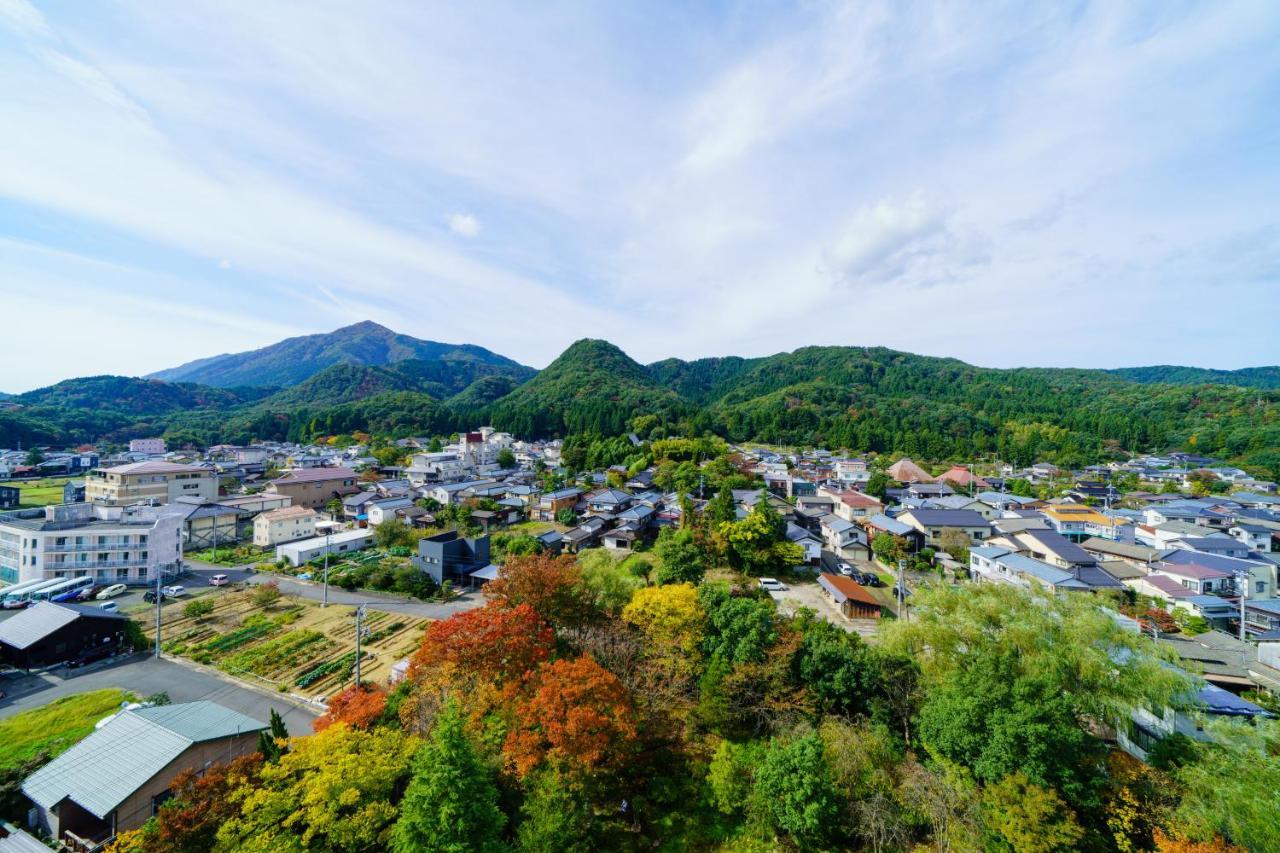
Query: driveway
{"type": "Point", "coordinates": [145, 676]}
{"type": "Point", "coordinates": [810, 595]}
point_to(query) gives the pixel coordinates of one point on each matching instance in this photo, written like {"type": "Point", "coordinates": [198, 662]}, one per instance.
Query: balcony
{"type": "Point", "coordinates": [93, 566]}
{"type": "Point", "coordinates": [73, 547]}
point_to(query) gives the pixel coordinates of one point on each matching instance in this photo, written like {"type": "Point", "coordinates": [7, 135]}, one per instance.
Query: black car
{"type": "Point", "coordinates": [150, 596]}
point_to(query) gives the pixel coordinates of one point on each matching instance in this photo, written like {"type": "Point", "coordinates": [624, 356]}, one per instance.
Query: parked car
{"type": "Point", "coordinates": [174, 591]}
{"type": "Point", "coordinates": [845, 569]}
{"type": "Point", "coordinates": [872, 579]}
{"type": "Point", "coordinates": [92, 655]}
{"type": "Point", "coordinates": [772, 585]}
{"type": "Point", "coordinates": [109, 606]}
{"type": "Point", "coordinates": [112, 591]}
{"type": "Point", "coordinates": [218, 580]}
{"type": "Point", "coordinates": [150, 596]}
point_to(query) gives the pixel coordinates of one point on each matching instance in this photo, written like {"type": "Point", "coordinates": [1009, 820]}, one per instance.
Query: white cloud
{"type": "Point", "coordinates": [464, 224]}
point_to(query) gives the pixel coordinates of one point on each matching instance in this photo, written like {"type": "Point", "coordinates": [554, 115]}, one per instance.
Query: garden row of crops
{"type": "Point", "coordinates": [343, 666]}
{"type": "Point", "coordinates": [286, 652]}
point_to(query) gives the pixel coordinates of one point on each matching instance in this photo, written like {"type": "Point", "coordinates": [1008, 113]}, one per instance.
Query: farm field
{"type": "Point", "coordinates": [38, 493]}
{"type": "Point", "coordinates": [293, 645]}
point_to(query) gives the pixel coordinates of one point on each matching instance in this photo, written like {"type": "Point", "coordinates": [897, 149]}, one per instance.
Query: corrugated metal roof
{"type": "Point", "coordinates": [105, 768]}
{"type": "Point", "coordinates": [42, 619]}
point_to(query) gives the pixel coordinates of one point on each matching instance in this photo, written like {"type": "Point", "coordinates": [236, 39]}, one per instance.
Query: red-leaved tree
{"type": "Point", "coordinates": [578, 714]}
{"type": "Point", "coordinates": [359, 707]}
{"type": "Point", "coordinates": [552, 586]}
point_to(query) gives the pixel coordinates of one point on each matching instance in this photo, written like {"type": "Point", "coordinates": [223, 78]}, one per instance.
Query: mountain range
{"type": "Point", "coordinates": [367, 377]}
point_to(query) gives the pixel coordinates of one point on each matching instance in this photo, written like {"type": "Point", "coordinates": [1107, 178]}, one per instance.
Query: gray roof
{"type": "Point", "coordinates": [948, 517]}
{"type": "Point", "coordinates": [889, 525]}
{"type": "Point", "coordinates": [105, 768]}
{"type": "Point", "coordinates": [43, 618]}
{"type": "Point", "coordinates": [18, 841]}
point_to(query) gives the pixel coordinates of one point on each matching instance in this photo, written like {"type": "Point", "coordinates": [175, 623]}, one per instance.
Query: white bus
{"type": "Point", "coordinates": [64, 590]}
{"type": "Point", "coordinates": [19, 595]}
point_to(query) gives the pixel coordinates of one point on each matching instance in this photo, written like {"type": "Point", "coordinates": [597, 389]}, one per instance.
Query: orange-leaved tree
{"type": "Point", "coordinates": [550, 585]}
{"type": "Point", "coordinates": [492, 643]}
{"type": "Point", "coordinates": [578, 715]}
{"type": "Point", "coordinates": [359, 706]}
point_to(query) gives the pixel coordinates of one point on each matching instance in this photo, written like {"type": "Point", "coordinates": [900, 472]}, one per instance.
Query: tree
{"type": "Point", "coordinates": [391, 533]}
{"type": "Point", "coordinates": [1232, 787]}
{"type": "Point", "coordinates": [579, 716]}
{"type": "Point", "coordinates": [550, 585]}
{"type": "Point", "coordinates": [740, 628]}
{"type": "Point", "coordinates": [201, 802]}
{"type": "Point", "coordinates": [877, 486]}
{"type": "Point", "coordinates": [266, 594]}
{"type": "Point", "coordinates": [359, 706]}
{"type": "Point", "coordinates": [673, 623]}
{"type": "Point", "coordinates": [452, 803]}
{"type": "Point", "coordinates": [955, 543]}
{"type": "Point", "coordinates": [34, 457]}
{"type": "Point", "coordinates": [731, 774]}
{"type": "Point", "coordinates": [197, 608]}
{"type": "Point", "coordinates": [505, 458]}
{"type": "Point", "coordinates": [556, 816]}
{"type": "Point", "coordinates": [995, 720]}
{"type": "Point", "coordinates": [889, 549]}
{"type": "Point", "coordinates": [681, 559]}
{"type": "Point", "coordinates": [608, 582]}
{"type": "Point", "coordinates": [758, 544]}
{"type": "Point", "coordinates": [840, 671]}
{"type": "Point", "coordinates": [332, 791]}
{"type": "Point", "coordinates": [794, 793]}
{"type": "Point", "coordinates": [490, 643]}
{"type": "Point", "coordinates": [435, 446]}
{"type": "Point", "coordinates": [1023, 817]}
{"type": "Point", "coordinates": [567, 517]}
{"type": "Point", "coordinates": [333, 506]}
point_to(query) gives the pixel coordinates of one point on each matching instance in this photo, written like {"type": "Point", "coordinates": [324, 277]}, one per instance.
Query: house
{"type": "Point", "coordinates": [960, 477]}
{"type": "Point", "coordinates": [306, 550]}
{"type": "Point", "coordinates": [913, 538]}
{"type": "Point", "coordinates": [927, 491]}
{"type": "Point", "coordinates": [1078, 522]}
{"type": "Point", "coordinates": [999, 564]}
{"type": "Point", "coordinates": [963, 502]}
{"type": "Point", "coordinates": [147, 446]}
{"type": "Point", "coordinates": [47, 633]}
{"type": "Point", "coordinates": [378, 511]}
{"type": "Point", "coordinates": [150, 483]}
{"type": "Point", "coordinates": [851, 505]}
{"type": "Point", "coordinates": [315, 487]}
{"type": "Point", "coordinates": [354, 507]}
{"type": "Point", "coordinates": [845, 538]}
{"type": "Point", "coordinates": [10, 496]}
{"type": "Point", "coordinates": [1201, 580]}
{"type": "Point", "coordinates": [906, 471]}
{"type": "Point", "coordinates": [811, 544]}
{"type": "Point", "coordinates": [207, 524]}
{"type": "Point", "coordinates": [450, 556]}
{"type": "Point", "coordinates": [849, 597]}
{"type": "Point", "coordinates": [932, 522]}
{"type": "Point", "coordinates": [287, 524]}
{"type": "Point", "coordinates": [584, 535]}
{"type": "Point", "coordinates": [620, 538]}
{"type": "Point", "coordinates": [608, 501]}
{"type": "Point", "coordinates": [1148, 727]}
{"type": "Point", "coordinates": [851, 470]}
{"type": "Point", "coordinates": [116, 778]}
{"type": "Point", "coordinates": [1139, 556]}
{"type": "Point", "coordinates": [552, 542]}
{"type": "Point", "coordinates": [1255, 537]}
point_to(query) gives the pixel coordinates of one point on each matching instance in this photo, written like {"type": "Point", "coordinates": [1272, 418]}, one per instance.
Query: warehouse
{"type": "Point", "coordinates": [46, 634]}
{"type": "Point", "coordinates": [297, 553]}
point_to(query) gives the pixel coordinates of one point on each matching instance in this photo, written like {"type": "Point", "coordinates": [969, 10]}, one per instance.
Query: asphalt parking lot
{"type": "Point", "coordinates": [144, 675]}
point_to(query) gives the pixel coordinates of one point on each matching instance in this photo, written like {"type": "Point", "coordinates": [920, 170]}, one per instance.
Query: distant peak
{"type": "Point", "coordinates": [364, 326]}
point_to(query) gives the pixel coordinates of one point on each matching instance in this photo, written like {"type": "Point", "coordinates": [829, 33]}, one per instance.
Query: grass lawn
{"type": "Point", "coordinates": [37, 493]}
{"type": "Point", "coordinates": [56, 727]}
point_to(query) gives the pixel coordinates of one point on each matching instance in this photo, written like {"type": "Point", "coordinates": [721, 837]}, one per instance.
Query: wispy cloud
{"type": "Point", "coordinates": [684, 181]}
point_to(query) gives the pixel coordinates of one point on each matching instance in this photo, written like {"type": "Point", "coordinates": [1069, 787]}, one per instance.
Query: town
{"type": "Point", "coordinates": [194, 546]}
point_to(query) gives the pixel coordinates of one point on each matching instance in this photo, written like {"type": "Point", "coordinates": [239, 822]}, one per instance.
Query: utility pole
{"type": "Point", "coordinates": [902, 588]}
{"type": "Point", "coordinates": [360, 632]}
{"type": "Point", "coordinates": [328, 544]}
{"type": "Point", "coordinates": [159, 574]}
{"type": "Point", "coordinates": [1242, 578]}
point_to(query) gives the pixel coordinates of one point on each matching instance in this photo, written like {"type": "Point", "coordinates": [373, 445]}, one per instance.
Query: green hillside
{"type": "Point", "coordinates": [1248, 377]}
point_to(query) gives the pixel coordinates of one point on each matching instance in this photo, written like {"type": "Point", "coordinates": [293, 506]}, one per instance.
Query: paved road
{"type": "Point", "coordinates": [145, 676]}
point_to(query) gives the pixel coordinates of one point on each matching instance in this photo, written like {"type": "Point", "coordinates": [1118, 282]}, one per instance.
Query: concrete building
{"type": "Point", "coordinates": [150, 482]}
{"type": "Point", "coordinates": [114, 779]}
{"type": "Point", "coordinates": [287, 524]}
{"type": "Point", "coordinates": [113, 544]}
{"type": "Point", "coordinates": [315, 487]}
{"type": "Point", "coordinates": [304, 550]}
{"type": "Point", "coordinates": [149, 446]}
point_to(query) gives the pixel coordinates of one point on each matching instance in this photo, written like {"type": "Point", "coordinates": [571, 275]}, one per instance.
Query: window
{"type": "Point", "coordinates": [1260, 586]}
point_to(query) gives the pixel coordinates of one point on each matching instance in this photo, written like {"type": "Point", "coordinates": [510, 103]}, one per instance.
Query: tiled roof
{"type": "Point", "coordinates": [314, 475]}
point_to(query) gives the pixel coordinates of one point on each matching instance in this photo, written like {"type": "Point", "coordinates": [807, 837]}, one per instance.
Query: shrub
{"type": "Point", "coordinates": [197, 608]}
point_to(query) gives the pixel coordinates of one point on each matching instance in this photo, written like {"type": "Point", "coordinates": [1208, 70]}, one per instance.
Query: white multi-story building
{"type": "Point", "coordinates": [113, 544]}
{"type": "Point", "coordinates": [149, 446]}
{"type": "Point", "coordinates": [852, 470]}
{"type": "Point", "coordinates": [150, 483]}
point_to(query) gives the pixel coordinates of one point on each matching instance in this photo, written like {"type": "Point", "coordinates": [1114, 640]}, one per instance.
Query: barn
{"type": "Point", "coordinates": [47, 633]}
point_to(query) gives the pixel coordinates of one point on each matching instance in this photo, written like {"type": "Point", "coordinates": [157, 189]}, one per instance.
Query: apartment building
{"type": "Point", "coordinates": [287, 524]}
{"type": "Point", "coordinates": [113, 544]}
{"type": "Point", "coordinates": [315, 487]}
{"type": "Point", "coordinates": [150, 482]}
{"type": "Point", "coordinates": [149, 446]}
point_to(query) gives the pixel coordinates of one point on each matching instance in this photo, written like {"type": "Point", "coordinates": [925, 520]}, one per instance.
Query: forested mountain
{"type": "Point", "coordinates": [592, 387]}
{"type": "Point", "coordinates": [866, 399]}
{"type": "Point", "coordinates": [296, 359]}
{"type": "Point", "coordinates": [1249, 377]}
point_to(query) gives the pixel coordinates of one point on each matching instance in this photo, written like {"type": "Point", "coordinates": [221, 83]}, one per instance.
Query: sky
{"type": "Point", "coordinates": [1068, 184]}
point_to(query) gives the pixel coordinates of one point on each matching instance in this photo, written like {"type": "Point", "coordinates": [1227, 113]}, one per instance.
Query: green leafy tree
{"type": "Point", "coordinates": [451, 805]}
{"type": "Point", "coordinates": [1022, 817]}
{"type": "Point", "coordinates": [794, 793]}
{"type": "Point", "coordinates": [877, 486]}
{"type": "Point", "coordinates": [556, 816]}
{"type": "Point", "coordinates": [741, 628]}
{"type": "Point", "coordinates": [1232, 786]}
{"type": "Point", "coordinates": [721, 509]}
{"type": "Point", "coordinates": [681, 558]}
{"type": "Point", "coordinates": [888, 548]}
{"type": "Point", "coordinates": [758, 543]}
{"type": "Point", "coordinates": [435, 446]}
{"type": "Point", "coordinates": [567, 517]}
{"type": "Point", "coordinates": [392, 533]}
{"type": "Point", "coordinates": [505, 458]}
{"type": "Point", "coordinates": [731, 774]}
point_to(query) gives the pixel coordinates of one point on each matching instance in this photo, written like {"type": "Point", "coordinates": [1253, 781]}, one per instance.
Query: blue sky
{"type": "Point", "coordinates": [1038, 184]}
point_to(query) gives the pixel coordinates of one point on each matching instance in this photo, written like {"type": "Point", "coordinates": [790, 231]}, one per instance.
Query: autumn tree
{"type": "Point", "coordinates": [489, 643]}
{"type": "Point", "coordinates": [332, 791]}
{"type": "Point", "coordinates": [552, 586]}
{"type": "Point", "coordinates": [1022, 817]}
{"type": "Point", "coordinates": [359, 706]}
{"type": "Point", "coordinates": [266, 594]}
{"type": "Point", "coordinates": [451, 806]}
{"type": "Point", "coordinates": [579, 715]}
{"type": "Point", "coordinates": [188, 822]}
{"type": "Point", "coordinates": [673, 622]}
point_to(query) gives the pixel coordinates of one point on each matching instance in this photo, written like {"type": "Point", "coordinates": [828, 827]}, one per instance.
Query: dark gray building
{"type": "Point", "coordinates": [451, 557]}
{"type": "Point", "coordinates": [46, 634]}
